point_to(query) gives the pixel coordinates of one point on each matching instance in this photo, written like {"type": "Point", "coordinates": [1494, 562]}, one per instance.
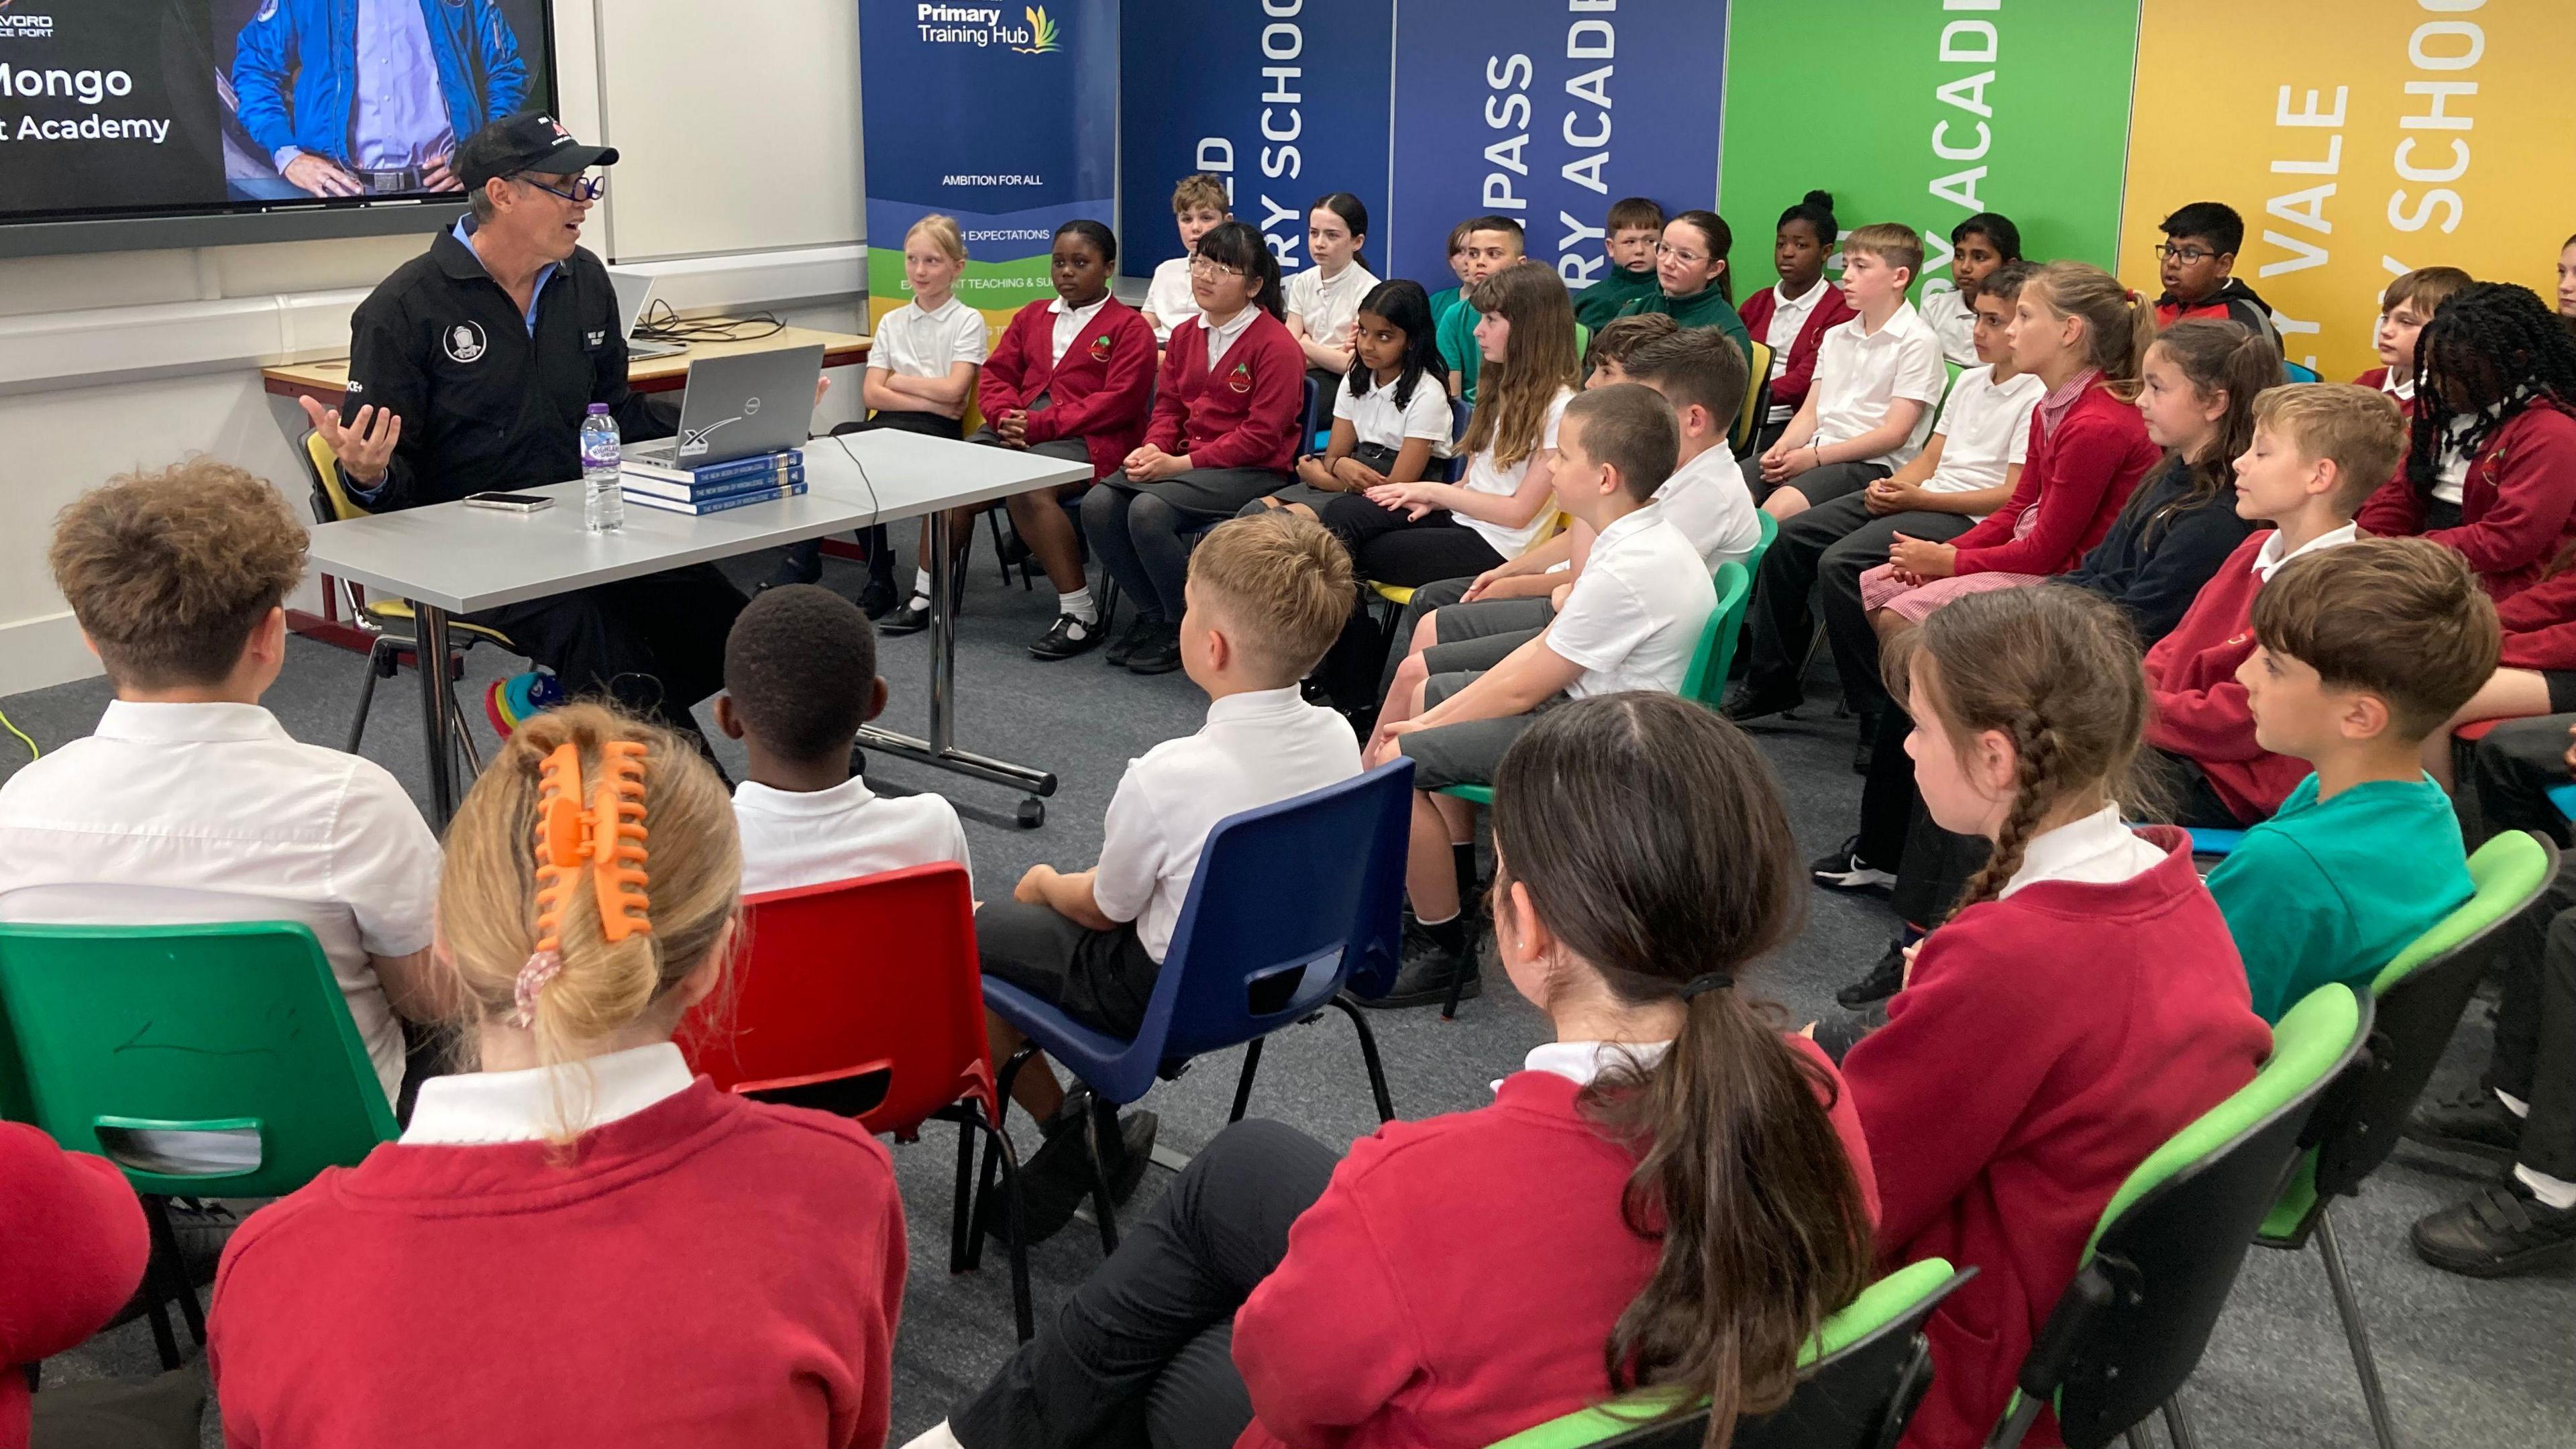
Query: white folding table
{"type": "Point", "coordinates": [448, 559]}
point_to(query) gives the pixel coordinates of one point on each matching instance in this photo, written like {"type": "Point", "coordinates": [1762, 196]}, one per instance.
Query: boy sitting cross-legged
{"type": "Point", "coordinates": [1266, 596]}
{"type": "Point", "coordinates": [1632, 621]}
{"type": "Point", "coordinates": [800, 678]}
{"type": "Point", "coordinates": [2359, 654]}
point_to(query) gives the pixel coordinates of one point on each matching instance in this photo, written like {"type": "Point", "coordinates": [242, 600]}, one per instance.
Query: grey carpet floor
{"type": "Point", "coordinates": [2464, 1362]}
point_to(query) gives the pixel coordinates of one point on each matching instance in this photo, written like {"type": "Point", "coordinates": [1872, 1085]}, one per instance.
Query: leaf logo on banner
{"type": "Point", "coordinates": [1041, 31]}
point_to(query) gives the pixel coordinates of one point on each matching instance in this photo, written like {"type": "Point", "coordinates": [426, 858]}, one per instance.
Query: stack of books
{"type": "Point", "coordinates": [715, 487]}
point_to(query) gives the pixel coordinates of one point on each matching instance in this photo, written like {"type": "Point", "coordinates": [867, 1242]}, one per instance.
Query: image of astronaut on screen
{"type": "Point", "coordinates": [359, 98]}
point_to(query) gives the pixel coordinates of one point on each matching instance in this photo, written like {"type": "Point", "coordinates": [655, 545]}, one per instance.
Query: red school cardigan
{"type": "Point", "coordinates": [2517, 504]}
{"type": "Point", "coordinates": [72, 1247]}
{"type": "Point", "coordinates": [707, 1271]}
{"type": "Point", "coordinates": [2540, 624]}
{"type": "Point", "coordinates": [1243, 416]}
{"type": "Point", "coordinates": [1798, 374]}
{"type": "Point", "coordinates": [2077, 476]}
{"type": "Point", "coordinates": [1099, 392]}
{"type": "Point", "coordinates": [2195, 707]}
{"type": "Point", "coordinates": [2045, 1046]}
{"type": "Point", "coordinates": [2376, 379]}
{"type": "Point", "coordinates": [1393, 1323]}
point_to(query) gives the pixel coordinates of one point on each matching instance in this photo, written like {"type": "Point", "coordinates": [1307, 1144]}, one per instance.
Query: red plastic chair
{"type": "Point", "coordinates": [862, 998]}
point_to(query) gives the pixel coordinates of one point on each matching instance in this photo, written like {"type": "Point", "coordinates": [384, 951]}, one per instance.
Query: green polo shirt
{"type": "Point", "coordinates": [1617, 288]}
{"type": "Point", "coordinates": [2332, 890]}
{"type": "Point", "coordinates": [1706, 309]}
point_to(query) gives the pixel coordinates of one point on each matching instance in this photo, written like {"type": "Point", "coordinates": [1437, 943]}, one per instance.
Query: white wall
{"type": "Point", "coordinates": [740, 184]}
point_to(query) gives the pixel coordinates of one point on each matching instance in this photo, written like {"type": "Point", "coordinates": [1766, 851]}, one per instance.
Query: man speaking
{"type": "Point", "coordinates": [367, 97]}
{"type": "Point", "coordinates": [470, 369]}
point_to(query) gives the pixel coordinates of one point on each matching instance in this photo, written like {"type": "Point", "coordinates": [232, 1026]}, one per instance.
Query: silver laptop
{"type": "Point", "coordinates": [634, 297]}
{"type": "Point", "coordinates": [739, 405]}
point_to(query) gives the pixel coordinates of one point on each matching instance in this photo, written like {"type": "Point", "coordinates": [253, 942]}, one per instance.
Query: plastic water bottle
{"type": "Point", "coordinates": [603, 507]}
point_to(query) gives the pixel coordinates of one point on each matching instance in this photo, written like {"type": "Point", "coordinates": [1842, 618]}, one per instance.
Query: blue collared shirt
{"type": "Point", "coordinates": [465, 234]}
{"type": "Point", "coordinates": [399, 119]}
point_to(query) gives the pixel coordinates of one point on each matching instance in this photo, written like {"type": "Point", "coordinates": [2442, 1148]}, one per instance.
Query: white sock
{"type": "Point", "coordinates": [2557, 1192]}
{"type": "Point", "coordinates": [936, 1437]}
{"type": "Point", "coordinates": [1079, 605]}
{"type": "Point", "coordinates": [2513, 1104]}
{"type": "Point", "coordinates": [921, 585]}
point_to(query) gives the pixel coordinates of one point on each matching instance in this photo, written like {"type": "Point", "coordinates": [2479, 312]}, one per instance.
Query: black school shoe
{"type": "Point", "coordinates": [1158, 655]}
{"type": "Point", "coordinates": [2501, 1232]}
{"type": "Point", "coordinates": [877, 599]}
{"type": "Point", "coordinates": [1140, 632]}
{"type": "Point", "coordinates": [1744, 702]}
{"type": "Point", "coordinates": [912, 618]}
{"type": "Point", "coordinates": [1884, 980]}
{"type": "Point", "coordinates": [1057, 1177]}
{"type": "Point", "coordinates": [1844, 870]}
{"type": "Point", "coordinates": [2475, 1123]}
{"type": "Point", "coordinates": [1067, 637]}
{"type": "Point", "coordinates": [1429, 966]}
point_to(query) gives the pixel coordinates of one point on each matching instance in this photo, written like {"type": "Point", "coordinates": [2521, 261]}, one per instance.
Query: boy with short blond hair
{"type": "Point", "coordinates": [1267, 595]}
{"type": "Point", "coordinates": [2320, 449]}
{"type": "Point", "coordinates": [1878, 378]}
{"type": "Point", "coordinates": [1198, 203]}
{"type": "Point", "coordinates": [2360, 654]}
{"type": "Point", "coordinates": [190, 804]}
{"type": "Point", "coordinates": [1628, 237]}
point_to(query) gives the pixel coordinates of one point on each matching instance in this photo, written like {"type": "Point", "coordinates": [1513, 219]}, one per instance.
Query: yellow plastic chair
{"type": "Point", "coordinates": [388, 622]}
{"type": "Point", "coordinates": [1757, 402]}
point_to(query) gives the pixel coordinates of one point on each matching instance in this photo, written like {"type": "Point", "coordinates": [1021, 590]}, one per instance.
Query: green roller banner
{"type": "Point", "coordinates": [1948, 109]}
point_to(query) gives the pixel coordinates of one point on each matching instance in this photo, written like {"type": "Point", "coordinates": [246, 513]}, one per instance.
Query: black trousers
{"type": "Point", "coordinates": [1103, 979]}
{"type": "Point", "coordinates": [806, 559]}
{"type": "Point", "coordinates": [2535, 1024]}
{"type": "Point", "coordinates": [1409, 552]}
{"type": "Point", "coordinates": [1831, 544]}
{"type": "Point", "coordinates": [2510, 775]}
{"type": "Point", "coordinates": [655, 644]}
{"type": "Point", "coordinates": [1142, 1351]}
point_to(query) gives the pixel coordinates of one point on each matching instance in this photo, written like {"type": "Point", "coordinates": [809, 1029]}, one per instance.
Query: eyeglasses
{"type": "Point", "coordinates": [1687, 258]}
{"type": "Point", "coordinates": [2184, 255]}
{"type": "Point", "coordinates": [1209, 267]}
{"type": "Point", "coordinates": [585, 188]}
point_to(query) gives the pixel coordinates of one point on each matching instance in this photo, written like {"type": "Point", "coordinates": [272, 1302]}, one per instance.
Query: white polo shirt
{"type": "Point", "coordinates": [1635, 614]}
{"type": "Point", "coordinates": [1329, 304]}
{"type": "Point", "coordinates": [1069, 322]}
{"type": "Point", "coordinates": [1256, 749]}
{"type": "Point", "coordinates": [480, 1109]}
{"type": "Point", "coordinates": [1220, 338]}
{"type": "Point", "coordinates": [1946, 311]}
{"type": "Point", "coordinates": [2099, 849]}
{"type": "Point", "coordinates": [190, 814]}
{"type": "Point", "coordinates": [1858, 375]}
{"type": "Point", "coordinates": [1985, 429]}
{"type": "Point", "coordinates": [1788, 315]}
{"type": "Point", "coordinates": [796, 838]}
{"type": "Point", "coordinates": [916, 343]}
{"type": "Point", "coordinates": [2270, 557]}
{"type": "Point", "coordinates": [1375, 418]}
{"type": "Point", "coordinates": [1169, 298]}
{"type": "Point", "coordinates": [1484, 477]}
{"type": "Point", "coordinates": [1707, 500]}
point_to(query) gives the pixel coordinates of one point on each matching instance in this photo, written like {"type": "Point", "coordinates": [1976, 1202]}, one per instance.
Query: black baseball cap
{"type": "Point", "coordinates": [524, 142]}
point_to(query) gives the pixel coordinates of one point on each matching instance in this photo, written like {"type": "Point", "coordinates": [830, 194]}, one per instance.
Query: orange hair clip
{"type": "Point", "coordinates": [608, 836]}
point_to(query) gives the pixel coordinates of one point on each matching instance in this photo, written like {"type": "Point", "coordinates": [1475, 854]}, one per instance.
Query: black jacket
{"type": "Point", "coordinates": [2153, 567]}
{"type": "Point", "coordinates": [484, 404]}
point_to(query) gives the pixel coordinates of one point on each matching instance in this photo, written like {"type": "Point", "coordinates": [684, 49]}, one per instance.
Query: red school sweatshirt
{"type": "Point", "coordinates": [1798, 374]}
{"type": "Point", "coordinates": [1100, 391]}
{"type": "Point", "coordinates": [1459, 1277]}
{"type": "Point", "coordinates": [2077, 476]}
{"type": "Point", "coordinates": [2517, 504]}
{"type": "Point", "coordinates": [2195, 707]}
{"type": "Point", "coordinates": [72, 1248]}
{"type": "Point", "coordinates": [2046, 1045]}
{"type": "Point", "coordinates": [1245, 415]}
{"type": "Point", "coordinates": [707, 1271]}
{"type": "Point", "coordinates": [2540, 624]}
{"type": "Point", "coordinates": [2376, 379]}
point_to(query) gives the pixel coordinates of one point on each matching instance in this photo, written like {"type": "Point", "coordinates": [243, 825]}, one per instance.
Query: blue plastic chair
{"type": "Point", "coordinates": [2210, 840]}
{"type": "Point", "coordinates": [1310, 888]}
{"type": "Point", "coordinates": [2298, 372]}
{"type": "Point", "coordinates": [1459, 415]}
{"type": "Point", "coordinates": [1319, 424]}
{"type": "Point", "coordinates": [2563, 799]}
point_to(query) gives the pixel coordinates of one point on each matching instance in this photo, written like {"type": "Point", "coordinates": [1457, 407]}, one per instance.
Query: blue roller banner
{"type": "Point", "coordinates": [1547, 114]}
{"type": "Point", "coordinates": [1001, 114]}
{"type": "Point", "coordinates": [1286, 100]}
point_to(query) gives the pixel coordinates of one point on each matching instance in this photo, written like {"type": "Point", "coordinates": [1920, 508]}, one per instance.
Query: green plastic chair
{"type": "Point", "coordinates": [1858, 1383]}
{"type": "Point", "coordinates": [2131, 1327]}
{"type": "Point", "coordinates": [1770, 528]}
{"type": "Point", "coordinates": [2419, 996]}
{"type": "Point", "coordinates": [237, 1028]}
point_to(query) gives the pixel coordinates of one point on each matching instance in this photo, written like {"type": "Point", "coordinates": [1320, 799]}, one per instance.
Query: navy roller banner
{"type": "Point", "coordinates": [1001, 115]}
{"type": "Point", "coordinates": [1286, 100]}
{"type": "Point", "coordinates": [1547, 114]}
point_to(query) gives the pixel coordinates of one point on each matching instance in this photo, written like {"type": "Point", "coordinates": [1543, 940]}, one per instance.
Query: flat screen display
{"type": "Point", "coordinates": [162, 108]}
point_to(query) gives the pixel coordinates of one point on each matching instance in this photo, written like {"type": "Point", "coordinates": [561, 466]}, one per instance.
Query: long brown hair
{"type": "Point", "coordinates": [2056, 670]}
{"type": "Point", "coordinates": [2220, 359]}
{"type": "Point", "coordinates": [1512, 396]}
{"type": "Point", "coordinates": [2119, 324]}
{"type": "Point", "coordinates": [1651, 840]}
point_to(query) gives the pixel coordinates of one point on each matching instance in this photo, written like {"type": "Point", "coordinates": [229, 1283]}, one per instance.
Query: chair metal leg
{"type": "Point", "coordinates": [2364, 1366]}
{"type": "Point", "coordinates": [2178, 1424]}
{"type": "Point", "coordinates": [464, 731]}
{"type": "Point", "coordinates": [1368, 1055]}
{"type": "Point", "coordinates": [1243, 1082]}
{"type": "Point", "coordinates": [1093, 1126]}
{"type": "Point", "coordinates": [162, 1339]}
{"type": "Point", "coordinates": [961, 1214]}
{"type": "Point", "coordinates": [1458, 978]}
{"type": "Point", "coordinates": [1023, 1308]}
{"type": "Point", "coordinates": [166, 1242]}
{"type": "Point", "coordinates": [2025, 1413]}
{"type": "Point", "coordinates": [376, 653]}
{"type": "Point", "coordinates": [2133, 1438]}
